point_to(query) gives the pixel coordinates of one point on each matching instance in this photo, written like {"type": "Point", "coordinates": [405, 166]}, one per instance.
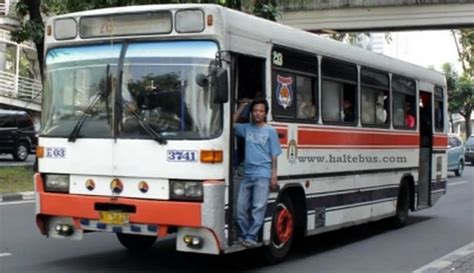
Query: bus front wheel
{"type": "Point", "coordinates": [282, 231]}
{"type": "Point", "coordinates": [136, 243]}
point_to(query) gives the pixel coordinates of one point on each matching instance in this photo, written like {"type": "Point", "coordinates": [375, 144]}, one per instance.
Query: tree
{"type": "Point", "coordinates": [463, 94]}
{"type": "Point", "coordinates": [460, 95]}
{"type": "Point", "coordinates": [452, 82]}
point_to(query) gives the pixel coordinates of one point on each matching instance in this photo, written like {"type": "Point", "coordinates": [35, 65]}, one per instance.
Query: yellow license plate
{"type": "Point", "coordinates": [113, 217]}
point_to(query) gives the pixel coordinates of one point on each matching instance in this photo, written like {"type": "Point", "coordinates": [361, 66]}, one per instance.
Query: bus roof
{"type": "Point", "coordinates": [244, 25]}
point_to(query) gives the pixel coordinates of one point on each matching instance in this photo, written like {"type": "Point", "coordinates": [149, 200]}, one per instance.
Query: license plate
{"type": "Point", "coordinates": [113, 217]}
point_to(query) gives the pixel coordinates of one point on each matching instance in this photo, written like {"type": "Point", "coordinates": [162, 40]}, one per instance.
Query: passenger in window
{"type": "Point", "coordinates": [348, 111]}
{"type": "Point", "coordinates": [380, 111]}
{"type": "Point", "coordinates": [306, 109]}
{"type": "Point", "coordinates": [409, 118]}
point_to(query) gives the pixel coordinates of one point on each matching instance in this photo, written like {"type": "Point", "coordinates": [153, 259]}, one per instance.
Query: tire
{"type": "Point", "coordinates": [282, 232]}
{"type": "Point", "coordinates": [460, 169]}
{"type": "Point", "coordinates": [136, 243]}
{"type": "Point", "coordinates": [403, 207]}
{"type": "Point", "coordinates": [21, 152]}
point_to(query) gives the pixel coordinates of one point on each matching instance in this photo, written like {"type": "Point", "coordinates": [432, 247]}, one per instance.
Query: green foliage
{"type": "Point", "coordinates": [464, 42]}
{"type": "Point", "coordinates": [266, 9]}
{"type": "Point", "coordinates": [460, 94]}
{"type": "Point", "coordinates": [29, 30]}
{"type": "Point", "coordinates": [16, 179]}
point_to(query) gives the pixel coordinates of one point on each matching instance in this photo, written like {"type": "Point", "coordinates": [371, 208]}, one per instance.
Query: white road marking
{"type": "Point", "coordinates": [457, 183]}
{"type": "Point", "coordinates": [16, 202]}
{"type": "Point", "coordinates": [445, 261]}
{"type": "Point", "coordinates": [5, 254]}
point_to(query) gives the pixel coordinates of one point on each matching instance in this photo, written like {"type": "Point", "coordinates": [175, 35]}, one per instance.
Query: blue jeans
{"type": "Point", "coordinates": [251, 206]}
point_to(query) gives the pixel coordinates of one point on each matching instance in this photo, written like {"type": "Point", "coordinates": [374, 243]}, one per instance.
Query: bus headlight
{"type": "Point", "coordinates": [57, 182]}
{"type": "Point", "coordinates": [186, 190]}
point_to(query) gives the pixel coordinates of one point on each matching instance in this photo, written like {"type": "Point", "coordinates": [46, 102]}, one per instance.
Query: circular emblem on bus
{"type": "Point", "coordinates": [116, 186]}
{"type": "Point", "coordinates": [143, 186]}
{"type": "Point", "coordinates": [90, 185]}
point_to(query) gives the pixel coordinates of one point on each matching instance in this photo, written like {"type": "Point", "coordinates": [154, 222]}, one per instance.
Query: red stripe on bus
{"type": "Point", "coordinates": [355, 138]}
{"type": "Point", "coordinates": [282, 135]}
{"type": "Point", "coordinates": [147, 211]}
{"type": "Point", "coordinates": [358, 147]}
{"type": "Point", "coordinates": [440, 141]}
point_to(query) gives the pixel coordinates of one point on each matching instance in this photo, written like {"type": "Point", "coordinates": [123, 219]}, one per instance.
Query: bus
{"type": "Point", "coordinates": [137, 133]}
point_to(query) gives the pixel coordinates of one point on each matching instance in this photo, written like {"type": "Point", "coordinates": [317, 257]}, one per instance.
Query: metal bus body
{"type": "Point", "coordinates": [332, 173]}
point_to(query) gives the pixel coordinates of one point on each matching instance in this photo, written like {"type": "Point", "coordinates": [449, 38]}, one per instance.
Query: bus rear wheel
{"type": "Point", "coordinates": [282, 231]}
{"type": "Point", "coordinates": [136, 243]}
{"type": "Point", "coordinates": [403, 207]}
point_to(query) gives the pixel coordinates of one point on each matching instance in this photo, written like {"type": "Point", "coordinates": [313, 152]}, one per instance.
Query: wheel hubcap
{"type": "Point", "coordinates": [22, 152]}
{"type": "Point", "coordinates": [284, 225]}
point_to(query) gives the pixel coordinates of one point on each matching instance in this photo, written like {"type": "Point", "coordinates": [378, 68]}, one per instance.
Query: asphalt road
{"type": "Point", "coordinates": [7, 160]}
{"type": "Point", "coordinates": [371, 248]}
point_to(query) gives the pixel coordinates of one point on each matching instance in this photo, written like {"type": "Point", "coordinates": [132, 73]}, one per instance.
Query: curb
{"type": "Point", "coordinates": [18, 196]}
{"type": "Point", "coordinates": [460, 260]}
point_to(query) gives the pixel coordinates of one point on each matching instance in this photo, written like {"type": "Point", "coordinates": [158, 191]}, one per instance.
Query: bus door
{"type": "Point", "coordinates": [426, 146]}
{"type": "Point", "coordinates": [248, 82]}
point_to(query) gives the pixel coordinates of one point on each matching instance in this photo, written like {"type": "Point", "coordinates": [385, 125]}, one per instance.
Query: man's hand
{"type": "Point", "coordinates": [274, 183]}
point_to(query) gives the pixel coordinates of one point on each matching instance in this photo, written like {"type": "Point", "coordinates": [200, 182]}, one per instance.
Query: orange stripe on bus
{"type": "Point", "coordinates": [147, 211]}
{"type": "Point", "coordinates": [355, 139]}
{"type": "Point", "coordinates": [39, 182]}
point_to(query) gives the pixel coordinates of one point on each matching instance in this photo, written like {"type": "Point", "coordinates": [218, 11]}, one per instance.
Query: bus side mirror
{"type": "Point", "coordinates": [202, 80]}
{"type": "Point", "coordinates": [220, 86]}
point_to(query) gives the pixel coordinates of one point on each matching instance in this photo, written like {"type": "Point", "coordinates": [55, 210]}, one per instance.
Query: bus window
{"type": "Point", "coordinates": [294, 84]}
{"type": "Point", "coordinates": [305, 98]}
{"type": "Point", "coordinates": [404, 103]}
{"type": "Point", "coordinates": [374, 97]}
{"type": "Point", "coordinates": [163, 91]}
{"type": "Point", "coordinates": [339, 92]}
{"type": "Point", "coordinates": [438, 110]}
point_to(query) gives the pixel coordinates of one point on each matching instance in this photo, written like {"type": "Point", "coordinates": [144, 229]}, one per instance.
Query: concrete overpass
{"type": "Point", "coordinates": [376, 15]}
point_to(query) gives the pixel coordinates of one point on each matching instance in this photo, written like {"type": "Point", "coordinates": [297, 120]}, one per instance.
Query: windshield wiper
{"type": "Point", "coordinates": [80, 122]}
{"type": "Point", "coordinates": [145, 125]}
{"type": "Point", "coordinates": [102, 94]}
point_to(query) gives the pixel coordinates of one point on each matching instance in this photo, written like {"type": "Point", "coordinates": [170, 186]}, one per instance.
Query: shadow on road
{"type": "Point", "coordinates": [335, 239]}
{"type": "Point", "coordinates": [163, 257]}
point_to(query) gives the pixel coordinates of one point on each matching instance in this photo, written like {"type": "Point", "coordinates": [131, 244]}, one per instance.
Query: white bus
{"type": "Point", "coordinates": [137, 137]}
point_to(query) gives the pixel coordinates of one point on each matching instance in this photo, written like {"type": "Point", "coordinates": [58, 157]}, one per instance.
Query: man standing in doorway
{"type": "Point", "coordinates": [261, 150]}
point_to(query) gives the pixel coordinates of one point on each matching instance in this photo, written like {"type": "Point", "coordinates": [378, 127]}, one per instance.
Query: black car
{"type": "Point", "coordinates": [17, 134]}
{"type": "Point", "coordinates": [470, 149]}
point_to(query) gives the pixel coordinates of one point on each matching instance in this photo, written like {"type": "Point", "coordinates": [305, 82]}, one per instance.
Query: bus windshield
{"type": "Point", "coordinates": [151, 83]}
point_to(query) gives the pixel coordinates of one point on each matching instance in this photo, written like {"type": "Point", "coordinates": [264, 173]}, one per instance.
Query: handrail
{"type": "Point", "coordinates": [27, 89]}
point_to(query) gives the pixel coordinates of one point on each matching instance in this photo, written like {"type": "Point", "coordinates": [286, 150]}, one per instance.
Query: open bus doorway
{"type": "Point", "coordinates": [426, 148]}
{"type": "Point", "coordinates": [249, 83]}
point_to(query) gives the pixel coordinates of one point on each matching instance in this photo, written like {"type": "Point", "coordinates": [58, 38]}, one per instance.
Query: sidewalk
{"type": "Point", "coordinates": [458, 261]}
{"type": "Point", "coordinates": [17, 196]}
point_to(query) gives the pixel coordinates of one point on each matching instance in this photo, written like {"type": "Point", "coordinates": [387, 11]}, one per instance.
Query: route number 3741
{"type": "Point", "coordinates": [182, 156]}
